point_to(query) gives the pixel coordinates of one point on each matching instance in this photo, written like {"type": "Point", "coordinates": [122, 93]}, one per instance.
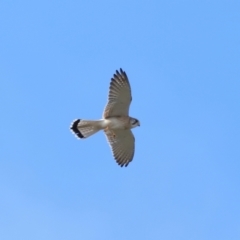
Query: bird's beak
{"type": "Point", "coordinates": [139, 124]}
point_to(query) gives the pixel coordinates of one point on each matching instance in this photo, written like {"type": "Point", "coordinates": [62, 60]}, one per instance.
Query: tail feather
{"type": "Point", "coordinates": [85, 128]}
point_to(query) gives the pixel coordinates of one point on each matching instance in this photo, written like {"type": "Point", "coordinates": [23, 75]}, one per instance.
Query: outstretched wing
{"type": "Point", "coordinates": [119, 97]}
{"type": "Point", "coordinates": [122, 143]}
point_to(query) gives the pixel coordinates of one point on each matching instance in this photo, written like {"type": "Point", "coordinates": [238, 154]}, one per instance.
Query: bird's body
{"type": "Point", "coordinates": [123, 122]}
{"type": "Point", "coordinates": [116, 123]}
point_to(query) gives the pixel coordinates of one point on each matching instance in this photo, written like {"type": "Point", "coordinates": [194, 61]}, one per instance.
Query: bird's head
{"type": "Point", "coordinates": [134, 122]}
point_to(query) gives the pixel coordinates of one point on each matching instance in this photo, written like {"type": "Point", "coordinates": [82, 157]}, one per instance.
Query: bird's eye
{"type": "Point", "coordinates": [134, 121]}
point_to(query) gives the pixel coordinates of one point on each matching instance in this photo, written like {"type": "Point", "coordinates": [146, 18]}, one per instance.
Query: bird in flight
{"type": "Point", "coordinates": [116, 122]}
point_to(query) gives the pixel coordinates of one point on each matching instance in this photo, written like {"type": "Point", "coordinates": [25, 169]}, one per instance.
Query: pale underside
{"type": "Point", "coordinates": [122, 142]}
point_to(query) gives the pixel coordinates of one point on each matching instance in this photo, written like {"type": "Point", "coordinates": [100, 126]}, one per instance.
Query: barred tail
{"type": "Point", "coordinates": [85, 128]}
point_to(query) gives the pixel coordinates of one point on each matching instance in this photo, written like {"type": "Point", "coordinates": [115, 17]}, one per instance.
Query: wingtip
{"type": "Point", "coordinates": [122, 164]}
{"type": "Point", "coordinates": [120, 70]}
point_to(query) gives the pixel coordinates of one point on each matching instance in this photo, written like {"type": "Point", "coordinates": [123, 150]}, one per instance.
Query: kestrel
{"type": "Point", "coordinates": [116, 122]}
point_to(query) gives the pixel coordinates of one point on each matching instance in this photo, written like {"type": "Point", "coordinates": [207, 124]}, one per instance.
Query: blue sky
{"type": "Point", "coordinates": [56, 62]}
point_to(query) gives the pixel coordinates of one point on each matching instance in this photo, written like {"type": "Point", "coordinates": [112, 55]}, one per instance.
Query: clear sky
{"type": "Point", "coordinates": [183, 62]}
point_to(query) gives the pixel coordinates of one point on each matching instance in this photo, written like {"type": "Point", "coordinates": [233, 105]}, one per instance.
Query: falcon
{"type": "Point", "coordinates": [116, 122]}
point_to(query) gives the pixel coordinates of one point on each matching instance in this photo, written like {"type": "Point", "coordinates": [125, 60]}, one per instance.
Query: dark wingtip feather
{"type": "Point", "coordinates": [74, 128]}
{"type": "Point", "coordinates": [120, 72]}
{"type": "Point", "coordinates": [123, 164]}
